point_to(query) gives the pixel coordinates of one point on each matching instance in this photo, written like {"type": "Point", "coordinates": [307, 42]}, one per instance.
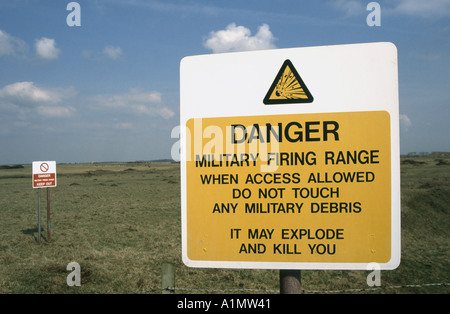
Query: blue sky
{"type": "Point", "coordinates": [108, 90]}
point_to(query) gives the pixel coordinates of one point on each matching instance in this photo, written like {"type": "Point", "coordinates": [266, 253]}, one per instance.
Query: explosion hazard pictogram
{"type": "Point", "coordinates": [288, 87]}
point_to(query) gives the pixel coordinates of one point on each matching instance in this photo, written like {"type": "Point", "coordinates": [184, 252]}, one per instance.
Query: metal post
{"type": "Point", "coordinates": [168, 278]}
{"type": "Point", "coordinates": [48, 214]}
{"type": "Point", "coordinates": [39, 215]}
{"type": "Point", "coordinates": [290, 282]}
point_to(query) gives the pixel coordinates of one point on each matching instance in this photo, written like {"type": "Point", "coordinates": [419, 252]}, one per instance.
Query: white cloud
{"type": "Point", "coordinates": [165, 112]}
{"type": "Point", "coordinates": [55, 111]}
{"type": "Point", "coordinates": [238, 38]}
{"type": "Point", "coordinates": [414, 8]}
{"type": "Point", "coordinates": [123, 126]}
{"type": "Point", "coordinates": [423, 8]}
{"type": "Point", "coordinates": [405, 121]}
{"type": "Point", "coordinates": [46, 48]}
{"type": "Point", "coordinates": [112, 52]}
{"type": "Point", "coordinates": [25, 93]}
{"type": "Point", "coordinates": [26, 98]}
{"type": "Point", "coordinates": [350, 7]}
{"type": "Point", "coordinates": [108, 52]}
{"type": "Point", "coordinates": [135, 101]}
{"type": "Point", "coordinates": [11, 46]}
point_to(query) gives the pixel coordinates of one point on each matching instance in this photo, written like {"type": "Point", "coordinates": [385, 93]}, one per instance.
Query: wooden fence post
{"type": "Point", "coordinates": [168, 278]}
{"type": "Point", "coordinates": [290, 282]}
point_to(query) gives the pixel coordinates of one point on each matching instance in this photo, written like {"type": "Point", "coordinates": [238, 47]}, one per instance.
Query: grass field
{"type": "Point", "coordinates": [121, 222]}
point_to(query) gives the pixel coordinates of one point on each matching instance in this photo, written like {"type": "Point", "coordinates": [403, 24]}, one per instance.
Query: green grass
{"type": "Point", "coordinates": [121, 222]}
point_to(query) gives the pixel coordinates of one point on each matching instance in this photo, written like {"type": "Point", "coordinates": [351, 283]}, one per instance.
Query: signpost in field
{"type": "Point", "coordinates": [43, 176]}
{"type": "Point", "coordinates": [290, 158]}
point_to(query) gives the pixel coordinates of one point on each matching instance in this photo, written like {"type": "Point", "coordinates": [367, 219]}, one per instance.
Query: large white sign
{"type": "Point", "coordinates": [290, 158]}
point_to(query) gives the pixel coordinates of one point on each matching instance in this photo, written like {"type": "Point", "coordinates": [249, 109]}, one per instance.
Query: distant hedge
{"type": "Point", "coordinates": [11, 167]}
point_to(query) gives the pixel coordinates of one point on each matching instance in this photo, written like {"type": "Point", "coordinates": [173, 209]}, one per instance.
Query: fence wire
{"type": "Point", "coordinates": [307, 291]}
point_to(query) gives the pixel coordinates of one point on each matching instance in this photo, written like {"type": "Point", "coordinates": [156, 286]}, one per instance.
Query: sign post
{"type": "Point", "coordinates": [43, 176]}
{"type": "Point", "coordinates": [290, 158]}
{"type": "Point", "coordinates": [290, 281]}
{"type": "Point", "coordinates": [48, 216]}
{"type": "Point", "coordinates": [39, 216]}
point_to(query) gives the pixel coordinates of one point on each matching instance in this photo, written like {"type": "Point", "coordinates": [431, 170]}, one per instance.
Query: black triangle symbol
{"type": "Point", "coordinates": [288, 87]}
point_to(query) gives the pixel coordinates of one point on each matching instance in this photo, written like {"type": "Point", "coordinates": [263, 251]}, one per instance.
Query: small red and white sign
{"type": "Point", "coordinates": [44, 174]}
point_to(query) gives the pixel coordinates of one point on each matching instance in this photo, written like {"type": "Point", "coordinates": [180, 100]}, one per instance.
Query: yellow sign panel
{"type": "Point", "coordinates": [313, 188]}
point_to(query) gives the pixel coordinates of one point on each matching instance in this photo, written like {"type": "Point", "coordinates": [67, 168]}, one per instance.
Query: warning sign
{"type": "Point", "coordinates": [291, 188]}
{"type": "Point", "coordinates": [315, 186]}
{"type": "Point", "coordinates": [288, 87]}
{"type": "Point", "coordinates": [44, 174]}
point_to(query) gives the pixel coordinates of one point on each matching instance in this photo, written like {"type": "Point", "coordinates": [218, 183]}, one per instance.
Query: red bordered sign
{"type": "Point", "coordinates": [44, 174]}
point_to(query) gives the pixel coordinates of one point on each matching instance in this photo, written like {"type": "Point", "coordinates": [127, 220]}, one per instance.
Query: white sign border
{"type": "Point", "coordinates": [383, 60]}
